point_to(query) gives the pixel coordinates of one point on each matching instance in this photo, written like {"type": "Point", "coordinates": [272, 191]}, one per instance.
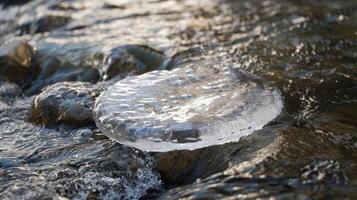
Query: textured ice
{"type": "Point", "coordinates": [186, 108]}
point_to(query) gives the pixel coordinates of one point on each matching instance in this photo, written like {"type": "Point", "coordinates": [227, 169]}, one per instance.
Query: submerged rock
{"type": "Point", "coordinates": [9, 91]}
{"type": "Point", "coordinates": [53, 70]}
{"type": "Point", "coordinates": [13, 2]}
{"type": "Point", "coordinates": [187, 108]}
{"type": "Point", "coordinates": [16, 62]}
{"type": "Point", "coordinates": [132, 59]}
{"type": "Point", "coordinates": [45, 24]}
{"type": "Point", "coordinates": [68, 103]}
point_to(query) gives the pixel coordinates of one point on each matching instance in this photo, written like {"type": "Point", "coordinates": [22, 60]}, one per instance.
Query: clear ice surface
{"type": "Point", "coordinates": [186, 108]}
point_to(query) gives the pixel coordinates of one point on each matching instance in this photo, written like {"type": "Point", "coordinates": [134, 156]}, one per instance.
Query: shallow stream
{"type": "Point", "coordinates": [305, 50]}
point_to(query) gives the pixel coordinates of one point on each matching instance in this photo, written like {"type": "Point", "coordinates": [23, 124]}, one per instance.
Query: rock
{"type": "Point", "coordinates": [45, 24]}
{"type": "Point", "coordinates": [53, 70]}
{"type": "Point", "coordinates": [132, 59]}
{"type": "Point", "coordinates": [51, 22]}
{"type": "Point", "coordinates": [184, 166]}
{"type": "Point", "coordinates": [13, 2]}
{"type": "Point", "coordinates": [68, 103]}
{"type": "Point", "coordinates": [17, 62]}
{"type": "Point", "coordinates": [114, 5]}
{"type": "Point", "coordinates": [221, 166]}
{"type": "Point", "coordinates": [69, 6]}
{"type": "Point", "coordinates": [85, 134]}
{"type": "Point", "coordinates": [9, 91]}
{"type": "Point", "coordinates": [184, 57]}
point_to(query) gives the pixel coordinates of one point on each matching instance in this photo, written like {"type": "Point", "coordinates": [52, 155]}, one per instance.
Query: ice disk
{"type": "Point", "coordinates": [186, 108]}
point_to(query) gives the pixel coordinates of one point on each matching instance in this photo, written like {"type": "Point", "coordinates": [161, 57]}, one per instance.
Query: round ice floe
{"type": "Point", "coordinates": [186, 108]}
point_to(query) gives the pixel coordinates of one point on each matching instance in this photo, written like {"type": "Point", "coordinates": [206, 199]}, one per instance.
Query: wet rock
{"type": "Point", "coordinates": [68, 103]}
{"type": "Point", "coordinates": [53, 70]}
{"type": "Point", "coordinates": [184, 166]}
{"type": "Point", "coordinates": [13, 2]}
{"type": "Point", "coordinates": [112, 5]}
{"type": "Point", "coordinates": [69, 6]}
{"type": "Point", "coordinates": [51, 22]}
{"type": "Point", "coordinates": [132, 59]}
{"type": "Point", "coordinates": [17, 62]}
{"type": "Point", "coordinates": [184, 57]}
{"type": "Point", "coordinates": [85, 134]}
{"type": "Point", "coordinates": [9, 91]}
{"type": "Point", "coordinates": [45, 24]}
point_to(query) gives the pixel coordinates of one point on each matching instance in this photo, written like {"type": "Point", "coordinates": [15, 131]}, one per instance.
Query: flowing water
{"type": "Point", "coordinates": [306, 50]}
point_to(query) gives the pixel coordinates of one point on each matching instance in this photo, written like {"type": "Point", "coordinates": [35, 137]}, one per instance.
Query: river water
{"type": "Point", "coordinates": [305, 49]}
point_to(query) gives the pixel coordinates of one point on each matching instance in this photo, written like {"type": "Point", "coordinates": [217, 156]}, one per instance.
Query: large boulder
{"type": "Point", "coordinates": [132, 59]}
{"type": "Point", "coordinates": [17, 62]}
{"type": "Point", "coordinates": [69, 103]}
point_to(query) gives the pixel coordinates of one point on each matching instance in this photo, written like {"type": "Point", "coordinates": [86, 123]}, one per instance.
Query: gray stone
{"type": "Point", "coordinates": [45, 24]}
{"type": "Point", "coordinates": [16, 62]}
{"type": "Point", "coordinates": [53, 70]}
{"type": "Point", "coordinates": [68, 103]}
{"type": "Point", "coordinates": [9, 91]}
{"type": "Point", "coordinates": [13, 2]}
{"type": "Point", "coordinates": [132, 59]}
